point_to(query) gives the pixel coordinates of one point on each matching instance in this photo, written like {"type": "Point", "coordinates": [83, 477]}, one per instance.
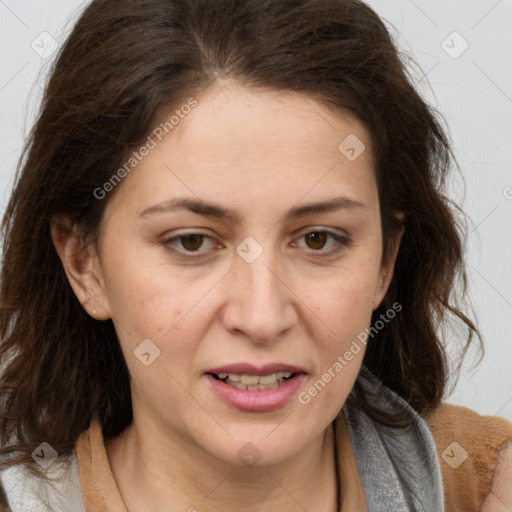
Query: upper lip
{"type": "Point", "coordinates": [250, 369]}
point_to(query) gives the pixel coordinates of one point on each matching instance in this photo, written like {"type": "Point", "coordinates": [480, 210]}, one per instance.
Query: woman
{"type": "Point", "coordinates": [227, 260]}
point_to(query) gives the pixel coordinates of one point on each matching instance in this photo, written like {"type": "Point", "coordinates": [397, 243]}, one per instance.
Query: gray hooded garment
{"type": "Point", "coordinates": [399, 469]}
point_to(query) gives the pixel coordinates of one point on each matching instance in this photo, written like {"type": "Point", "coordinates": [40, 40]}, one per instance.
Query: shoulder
{"type": "Point", "coordinates": [468, 445]}
{"type": "Point", "coordinates": [59, 492]}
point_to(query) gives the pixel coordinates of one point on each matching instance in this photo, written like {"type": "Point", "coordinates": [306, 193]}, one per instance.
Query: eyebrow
{"type": "Point", "coordinates": [216, 211]}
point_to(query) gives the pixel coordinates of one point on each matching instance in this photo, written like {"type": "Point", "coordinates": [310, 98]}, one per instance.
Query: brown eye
{"type": "Point", "coordinates": [191, 242]}
{"type": "Point", "coordinates": [316, 240]}
{"type": "Point", "coordinates": [190, 245]}
{"type": "Point", "coordinates": [323, 243]}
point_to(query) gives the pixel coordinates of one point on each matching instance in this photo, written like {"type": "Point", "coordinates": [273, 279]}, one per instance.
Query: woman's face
{"type": "Point", "coordinates": [246, 243]}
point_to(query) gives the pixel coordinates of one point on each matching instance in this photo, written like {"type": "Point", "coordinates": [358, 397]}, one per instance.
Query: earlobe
{"type": "Point", "coordinates": [81, 265]}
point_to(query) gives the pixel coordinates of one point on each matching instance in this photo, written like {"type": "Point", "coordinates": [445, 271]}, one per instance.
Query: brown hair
{"type": "Point", "coordinates": [123, 64]}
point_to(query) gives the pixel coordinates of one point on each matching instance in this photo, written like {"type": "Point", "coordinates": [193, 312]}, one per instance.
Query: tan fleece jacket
{"type": "Point", "coordinates": [482, 438]}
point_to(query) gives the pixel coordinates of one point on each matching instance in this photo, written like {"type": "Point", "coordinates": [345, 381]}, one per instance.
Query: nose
{"type": "Point", "coordinates": [260, 303]}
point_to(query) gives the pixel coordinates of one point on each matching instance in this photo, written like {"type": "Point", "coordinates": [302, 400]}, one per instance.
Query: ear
{"type": "Point", "coordinates": [82, 267]}
{"type": "Point", "coordinates": [387, 268]}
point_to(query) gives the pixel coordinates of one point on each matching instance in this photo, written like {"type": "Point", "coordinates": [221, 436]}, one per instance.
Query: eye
{"type": "Point", "coordinates": [189, 243]}
{"type": "Point", "coordinates": [317, 239]}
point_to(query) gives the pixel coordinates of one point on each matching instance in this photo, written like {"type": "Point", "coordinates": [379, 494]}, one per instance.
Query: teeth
{"type": "Point", "coordinates": [253, 387]}
{"type": "Point", "coordinates": [267, 379]}
{"type": "Point", "coordinates": [249, 379]}
{"type": "Point", "coordinates": [254, 382]}
{"type": "Point", "coordinates": [238, 385]}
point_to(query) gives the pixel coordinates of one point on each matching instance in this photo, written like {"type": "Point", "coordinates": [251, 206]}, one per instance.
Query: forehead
{"type": "Point", "coordinates": [258, 148]}
{"type": "Point", "coordinates": [231, 121]}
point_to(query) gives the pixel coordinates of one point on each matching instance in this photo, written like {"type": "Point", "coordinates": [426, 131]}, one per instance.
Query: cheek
{"type": "Point", "coordinates": [344, 305]}
{"type": "Point", "coordinates": [346, 301]}
{"type": "Point", "coordinates": [145, 293]}
{"type": "Point", "coordinates": [149, 302]}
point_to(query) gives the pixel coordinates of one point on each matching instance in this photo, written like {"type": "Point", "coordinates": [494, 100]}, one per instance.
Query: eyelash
{"type": "Point", "coordinates": [343, 242]}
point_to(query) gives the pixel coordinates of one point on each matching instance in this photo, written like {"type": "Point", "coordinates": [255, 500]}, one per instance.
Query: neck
{"type": "Point", "coordinates": [153, 471]}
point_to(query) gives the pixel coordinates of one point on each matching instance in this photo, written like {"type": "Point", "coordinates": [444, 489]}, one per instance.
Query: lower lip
{"type": "Point", "coordinates": [265, 400]}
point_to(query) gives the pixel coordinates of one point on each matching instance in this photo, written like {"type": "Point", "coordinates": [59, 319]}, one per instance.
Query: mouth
{"type": "Point", "coordinates": [251, 388]}
{"type": "Point", "coordinates": [254, 382]}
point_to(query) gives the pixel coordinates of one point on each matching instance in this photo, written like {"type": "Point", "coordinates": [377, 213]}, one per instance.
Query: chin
{"type": "Point", "coordinates": [265, 445]}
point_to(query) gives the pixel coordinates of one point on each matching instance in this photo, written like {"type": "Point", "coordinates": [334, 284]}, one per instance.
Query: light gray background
{"type": "Point", "coordinates": [473, 90]}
